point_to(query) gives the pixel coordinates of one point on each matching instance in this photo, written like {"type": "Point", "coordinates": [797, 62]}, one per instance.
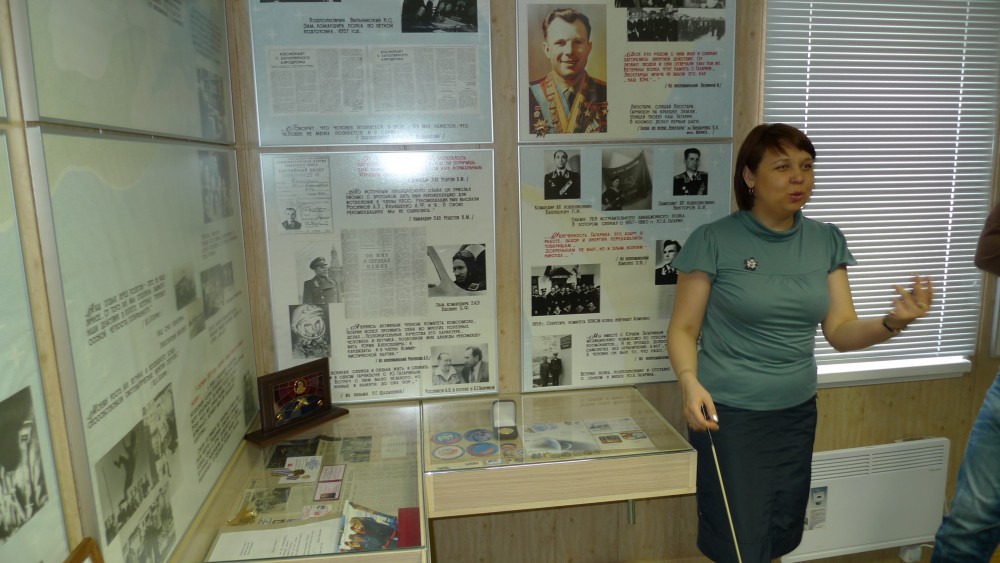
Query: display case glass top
{"type": "Point", "coordinates": [547, 450]}
{"type": "Point", "coordinates": [343, 487]}
{"type": "Point", "coordinates": [578, 424]}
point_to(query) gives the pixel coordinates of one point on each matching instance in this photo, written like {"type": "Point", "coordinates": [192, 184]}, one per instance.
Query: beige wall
{"type": "Point", "coordinates": [664, 528]}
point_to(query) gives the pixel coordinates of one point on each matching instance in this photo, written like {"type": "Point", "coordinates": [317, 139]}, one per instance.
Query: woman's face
{"type": "Point", "coordinates": [445, 363]}
{"type": "Point", "coordinates": [782, 184]}
{"type": "Point", "coordinates": [669, 252]}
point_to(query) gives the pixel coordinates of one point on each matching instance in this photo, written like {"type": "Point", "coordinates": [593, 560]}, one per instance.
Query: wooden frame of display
{"type": "Point", "coordinates": [86, 552]}
{"type": "Point", "coordinates": [285, 394]}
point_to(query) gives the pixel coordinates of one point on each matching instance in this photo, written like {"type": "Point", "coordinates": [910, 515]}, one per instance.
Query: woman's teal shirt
{"type": "Point", "coordinates": [769, 293]}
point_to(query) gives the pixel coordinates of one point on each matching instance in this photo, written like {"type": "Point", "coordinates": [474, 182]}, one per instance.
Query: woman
{"type": "Point", "coordinates": [444, 373]}
{"type": "Point", "coordinates": [753, 286]}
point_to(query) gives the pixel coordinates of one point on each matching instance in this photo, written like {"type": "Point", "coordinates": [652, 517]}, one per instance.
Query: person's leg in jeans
{"type": "Point", "coordinates": [971, 531]}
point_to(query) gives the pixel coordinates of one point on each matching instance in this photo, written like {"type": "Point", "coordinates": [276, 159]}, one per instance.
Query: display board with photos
{"type": "Point", "coordinates": [153, 287]}
{"type": "Point", "coordinates": [31, 522]}
{"type": "Point", "coordinates": [360, 73]}
{"type": "Point", "coordinates": [608, 70]}
{"type": "Point", "coordinates": [384, 262]}
{"type": "Point", "coordinates": [139, 66]}
{"type": "Point", "coordinates": [600, 226]}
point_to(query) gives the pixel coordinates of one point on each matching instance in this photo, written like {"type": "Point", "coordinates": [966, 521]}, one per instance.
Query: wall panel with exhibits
{"type": "Point", "coordinates": [158, 66]}
{"type": "Point", "coordinates": [151, 312]}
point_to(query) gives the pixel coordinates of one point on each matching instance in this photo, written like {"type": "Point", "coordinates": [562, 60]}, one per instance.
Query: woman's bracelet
{"type": "Point", "coordinates": [894, 331]}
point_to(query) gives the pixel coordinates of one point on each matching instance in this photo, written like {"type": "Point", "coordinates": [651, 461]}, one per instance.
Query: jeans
{"type": "Point", "coordinates": [971, 530]}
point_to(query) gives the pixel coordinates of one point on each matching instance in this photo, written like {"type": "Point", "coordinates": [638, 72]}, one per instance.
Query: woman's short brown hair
{"type": "Point", "coordinates": [775, 137]}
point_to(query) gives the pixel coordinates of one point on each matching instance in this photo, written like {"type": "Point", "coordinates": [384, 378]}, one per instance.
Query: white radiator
{"type": "Point", "coordinates": [874, 497]}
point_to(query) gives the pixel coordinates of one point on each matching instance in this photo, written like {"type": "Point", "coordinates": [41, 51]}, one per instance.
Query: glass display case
{"type": "Point", "coordinates": [344, 487]}
{"type": "Point", "coordinates": [551, 449]}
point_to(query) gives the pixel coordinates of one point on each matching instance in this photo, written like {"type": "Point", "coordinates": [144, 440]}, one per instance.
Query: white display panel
{"type": "Point", "coordinates": [157, 323]}
{"type": "Point", "coordinates": [597, 289]}
{"type": "Point", "coordinates": [360, 73]}
{"type": "Point", "coordinates": [140, 66]}
{"type": "Point", "coordinates": [31, 523]}
{"type": "Point", "coordinates": [660, 72]}
{"type": "Point", "coordinates": [384, 262]}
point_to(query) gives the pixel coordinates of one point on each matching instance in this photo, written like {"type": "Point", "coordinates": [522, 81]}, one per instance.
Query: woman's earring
{"type": "Point", "coordinates": [751, 190]}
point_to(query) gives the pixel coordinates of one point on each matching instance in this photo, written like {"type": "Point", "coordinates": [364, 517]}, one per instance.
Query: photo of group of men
{"type": "Point", "coordinates": [679, 20]}
{"type": "Point", "coordinates": [565, 290]}
{"type": "Point", "coordinates": [421, 16]}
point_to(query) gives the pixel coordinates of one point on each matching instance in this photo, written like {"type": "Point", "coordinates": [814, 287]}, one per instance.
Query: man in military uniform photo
{"type": "Point", "coordinates": [562, 183]}
{"type": "Point", "coordinates": [567, 99]}
{"type": "Point", "coordinates": [320, 289]}
{"type": "Point", "coordinates": [691, 181]}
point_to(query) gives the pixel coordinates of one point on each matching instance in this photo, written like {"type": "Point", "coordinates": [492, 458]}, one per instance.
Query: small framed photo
{"type": "Point", "coordinates": [294, 398]}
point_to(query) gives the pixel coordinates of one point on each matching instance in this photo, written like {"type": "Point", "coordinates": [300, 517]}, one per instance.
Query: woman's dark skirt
{"type": "Point", "coordinates": [766, 462]}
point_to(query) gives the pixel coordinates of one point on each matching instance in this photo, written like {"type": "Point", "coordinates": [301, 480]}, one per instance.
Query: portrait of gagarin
{"type": "Point", "coordinates": [310, 332]}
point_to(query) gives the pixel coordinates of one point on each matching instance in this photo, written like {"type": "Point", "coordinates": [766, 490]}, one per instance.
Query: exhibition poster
{"type": "Point", "coordinates": [600, 226]}
{"type": "Point", "coordinates": [361, 73]}
{"type": "Point", "coordinates": [152, 280]}
{"type": "Point", "coordinates": [31, 522]}
{"type": "Point", "coordinates": [140, 66]}
{"type": "Point", "coordinates": [607, 70]}
{"type": "Point", "coordinates": [384, 262]}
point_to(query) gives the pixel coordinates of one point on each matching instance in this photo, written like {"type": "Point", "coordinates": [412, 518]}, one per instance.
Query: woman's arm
{"type": "Point", "coordinates": [690, 303]}
{"type": "Point", "coordinates": [845, 331]}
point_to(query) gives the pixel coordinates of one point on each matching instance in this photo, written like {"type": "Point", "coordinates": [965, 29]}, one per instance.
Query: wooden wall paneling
{"type": "Point", "coordinates": [251, 190]}
{"type": "Point", "coordinates": [507, 193]}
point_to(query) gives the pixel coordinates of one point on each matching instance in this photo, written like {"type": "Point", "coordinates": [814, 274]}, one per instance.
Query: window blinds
{"type": "Point", "coordinates": [900, 99]}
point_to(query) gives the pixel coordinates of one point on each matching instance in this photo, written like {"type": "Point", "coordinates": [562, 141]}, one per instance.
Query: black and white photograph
{"type": "Point", "coordinates": [310, 330]}
{"type": "Point", "coordinates": [458, 364]}
{"type": "Point", "coordinates": [185, 290]}
{"type": "Point", "coordinates": [668, 23]}
{"type": "Point", "coordinates": [446, 365]}
{"type": "Point", "coordinates": [666, 251]}
{"type": "Point", "coordinates": [320, 273]}
{"type": "Point", "coordinates": [160, 418]}
{"type": "Point", "coordinates": [211, 101]}
{"type": "Point", "coordinates": [428, 16]}
{"type": "Point", "coordinates": [155, 534]}
{"type": "Point", "coordinates": [551, 360]}
{"type": "Point", "coordinates": [126, 475]}
{"type": "Point", "coordinates": [691, 180]}
{"type": "Point", "coordinates": [290, 220]}
{"type": "Point", "coordinates": [627, 181]}
{"type": "Point", "coordinates": [457, 271]}
{"type": "Point", "coordinates": [571, 289]}
{"type": "Point", "coordinates": [212, 291]}
{"type": "Point", "coordinates": [216, 195]}
{"type": "Point", "coordinates": [23, 490]}
{"type": "Point", "coordinates": [562, 174]}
